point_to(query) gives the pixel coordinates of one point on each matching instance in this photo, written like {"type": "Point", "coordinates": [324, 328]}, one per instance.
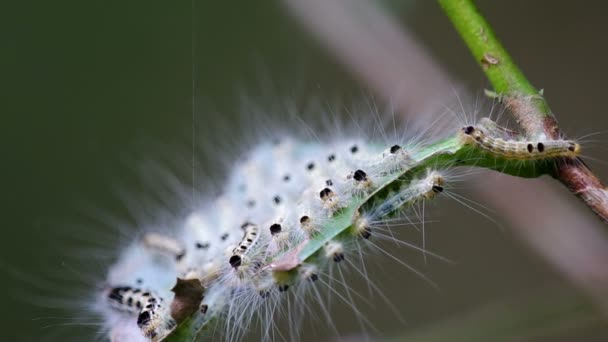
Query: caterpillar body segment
{"type": "Point", "coordinates": [127, 299]}
{"type": "Point", "coordinates": [493, 129]}
{"type": "Point", "coordinates": [394, 160]}
{"type": "Point", "coordinates": [334, 250]}
{"type": "Point", "coordinates": [163, 244]}
{"type": "Point", "coordinates": [425, 188]}
{"type": "Point", "coordinates": [416, 190]}
{"type": "Point", "coordinates": [482, 136]}
{"type": "Point", "coordinates": [155, 321]}
{"type": "Point", "coordinates": [153, 316]}
{"type": "Point", "coordinates": [250, 237]}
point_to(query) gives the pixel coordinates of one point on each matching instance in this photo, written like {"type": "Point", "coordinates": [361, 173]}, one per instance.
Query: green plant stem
{"type": "Point", "coordinates": [487, 50]}
{"type": "Point", "coordinates": [534, 114]}
{"type": "Point", "coordinates": [526, 104]}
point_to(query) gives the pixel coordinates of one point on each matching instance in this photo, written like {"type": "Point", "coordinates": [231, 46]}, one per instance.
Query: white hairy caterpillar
{"type": "Point", "coordinates": [164, 245]}
{"type": "Point", "coordinates": [291, 216]}
{"type": "Point", "coordinates": [149, 308]}
{"type": "Point", "coordinates": [425, 188]}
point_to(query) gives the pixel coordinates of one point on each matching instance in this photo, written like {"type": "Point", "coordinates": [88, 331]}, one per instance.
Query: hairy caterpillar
{"type": "Point", "coordinates": [152, 317]}
{"type": "Point", "coordinates": [491, 137]}
{"type": "Point", "coordinates": [164, 245]}
{"type": "Point", "coordinates": [291, 211]}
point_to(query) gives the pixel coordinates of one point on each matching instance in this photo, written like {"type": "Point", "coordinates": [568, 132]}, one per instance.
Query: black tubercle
{"type": "Point", "coordinates": [468, 129]}
{"type": "Point", "coordinates": [360, 176]}
{"type": "Point", "coordinates": [202, 245]}
{"type": "Point", "coordinates": [276, 199]}
{"type": "Point", "coordinates": [310, 166]}
{"type": "Point", "coordinates": [235, 261]}
{"type": "Point", "coordinates": [143, 319]}
{"type": "Point", "coordinates": [325, 193]}
{"type": "Point", "coordinates": [366, 233]}
{"type": "Point", "coordinates": [331, 157]}
{"type": "Point", "coordinates": [338, 257]}
{"type": "Point", "coordinates": [275, 229]}
{"type": "Point", "coordinates": [437, 188]}
{"type": "Point", "coordinates": [530, 148]}
{"type": "Point", "coordinates": [395, 148]}
{"type": "Point", "coordinates": [304, 219]}
{"type": "Point", "coordinates": [354, 149]}
{"type": "Point", "coordinates": [116, 294]}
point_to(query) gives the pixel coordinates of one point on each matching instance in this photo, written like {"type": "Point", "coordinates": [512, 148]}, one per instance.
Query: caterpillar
{"type": "Point", "coordinates": [152, 317]}
{"type": "Point", "coordinates": [292, 212]}
{"type": "Point", "coordinates": [486, 136]}
{"type": "Point", "coordinates": [249, 239]}
{"type": "Point", "coordinates": [164, 245]}
{"type": "Point", "coordinates": [425, 188]}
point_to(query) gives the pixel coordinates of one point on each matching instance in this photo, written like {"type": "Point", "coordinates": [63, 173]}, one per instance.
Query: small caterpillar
{"type": "Point", "coordinates": [482, 135]}
{"type": "Point", "coordinates": [425, 188]}
{"type": "Point", "coordinates": [152, 317]}
{"type": "Point", "coordinates": [164, 245]}
{"type": "Point", "coordinates": [251, 236]}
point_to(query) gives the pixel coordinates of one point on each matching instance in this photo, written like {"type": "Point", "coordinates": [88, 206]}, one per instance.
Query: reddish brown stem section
{"type": "Point", "coordinates": [575, 175]}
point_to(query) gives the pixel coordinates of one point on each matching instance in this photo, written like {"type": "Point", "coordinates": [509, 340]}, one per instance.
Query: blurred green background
{"type": "Point", "coordinates": [91, 87]}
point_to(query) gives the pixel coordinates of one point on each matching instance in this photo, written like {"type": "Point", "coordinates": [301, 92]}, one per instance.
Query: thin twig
{"type": "Point", "coordinates": [526, 103]}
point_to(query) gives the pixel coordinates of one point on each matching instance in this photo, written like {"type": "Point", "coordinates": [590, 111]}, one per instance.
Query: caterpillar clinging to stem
{"type": "Point", "coordinates": [298, 225]}
{"type": "Point", "coordinates": [485, 136]}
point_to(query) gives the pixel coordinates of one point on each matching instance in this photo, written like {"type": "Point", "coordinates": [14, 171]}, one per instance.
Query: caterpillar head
{"type": "Point", "coordinates": [436, 182]}
{"type": "Point", "coordinates": [574, 149]}
{"type": "Point", "coordinates": [471, 134]}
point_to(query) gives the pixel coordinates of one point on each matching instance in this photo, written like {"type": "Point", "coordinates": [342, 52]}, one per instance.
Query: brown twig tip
{"type": "Point", "coordinates": [188, 296]}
